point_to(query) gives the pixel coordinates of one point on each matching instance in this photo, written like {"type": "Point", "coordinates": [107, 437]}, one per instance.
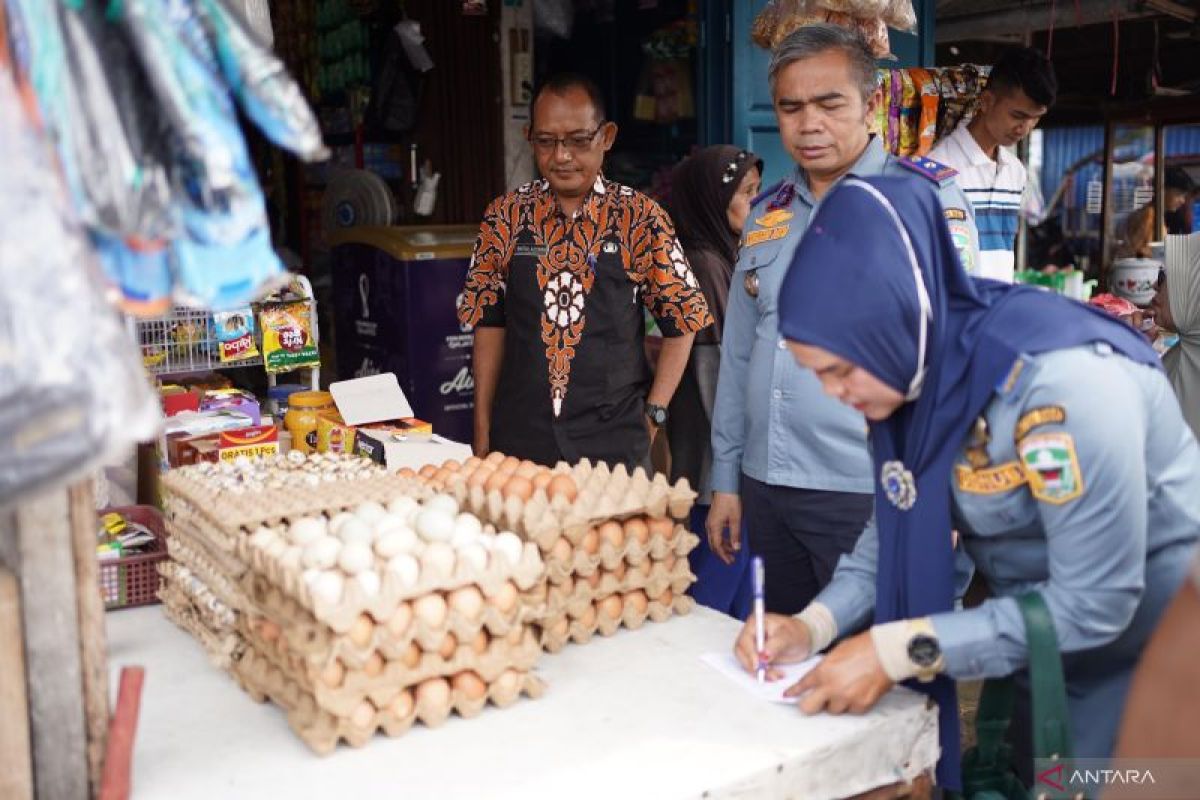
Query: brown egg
{"type": "Point", "coordinates": [593, 580]}
{"type": "Point", "coordinates": [362, 630]}
{"type": "Point", "coordinates": [667, 598]}
{"type": "Point", "coordinates": [590, 542]}
{"type": "Point", "coordinates": [495, 481]}
{"type": "Point", "coordinates": [611, 606]}
{"type": "Point", "coordinates": [518, 487]}
{"type": "Point", "coordinates": [452, 466]}
{"type": "Point", "coordinates": [567, 587]}
{"type": "Point", "coordinates": [398, 624]}
{"type": "Point", "coordinates": [411, 656]}
{"type": "Point", "coordinates": [661, 527]}
{"type": "Point", "coordinates": [472, 462]}
{"type": "Point", "coordinates": [562, 552]}
{"type": "Point", "coordinates": [467, 601]}
{"type": "Point", "coordinates": [562, 485]}
{"type": "Point", "coordinates": [509, 683]}
{"type": "Point", "coordinates": [515, 636]}
{"type": "Point", "coordinates": [636, 528]}
{"type": "Point", "coordinates": [527, 469]}
{"type": "Point", "coordinates": [479, 644]}
{"type": "Point", "coordinates": [430, 611]}
{"type": "Point", "coordinates": [402, 706]}
{"type": "Point", "coordinates": [509, 465]}
{"type": "Point", "coordinates": [560, 628]}
{"type": "Point", "coordinates": [428, 471]}
{"type": "Point", "coordinates": [448, 647]}
{"type": "Point", "coordinates": [480, 476]}
{"type": "Point", "coordinates": [469, 685]}
{"type": "Point", "coordinates": [542, 480]}
{"type": "Point", "coordinates": [406, 472]}
{"type": "Point", "coordinates": [443, 475]}
{"type": "Point", "coordinates": [505, 598]}
{"type": "Point", "coordinates": [494, 458]}
{"type": "Point", "coordinates": [374, 665]}
{"type": "Point", "coordinates": [638, 600]}
{"type": "Point", "coordinates": [333, 674]}
{"type": "Point", "coordinates": [613, 533]}
{"type": "Point", "coordinates": [363, 715]}
{"type": "Point", "coordinates": [588, 618]}
{"type": "Point", "coordinates": [434, 694]}
{"type": "Point", "coordinates": [645, 567]}
{"type": "Point", "coordinates": [268, 630]}
{"type": "Point", "coordinates": [619, 571]}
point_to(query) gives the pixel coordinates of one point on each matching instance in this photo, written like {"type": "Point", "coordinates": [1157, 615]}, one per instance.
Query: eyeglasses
{"type": "Point", "coordinates": [574, 142]}
{"type": "Point", "coordinates": [731, 169]}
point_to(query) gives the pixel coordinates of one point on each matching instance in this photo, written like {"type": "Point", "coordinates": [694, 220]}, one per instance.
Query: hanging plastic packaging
{"type": "Point", "coordinates": [72, 390]}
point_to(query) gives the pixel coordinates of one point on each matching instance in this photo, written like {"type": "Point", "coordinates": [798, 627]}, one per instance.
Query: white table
{"type": "Point", "coordinates": [631, 716]}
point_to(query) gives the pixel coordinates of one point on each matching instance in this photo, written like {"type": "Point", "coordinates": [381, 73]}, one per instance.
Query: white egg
{"type": "Point", "coordinates": [291, 558]}
{"type": "Point", "coordinates": [355, 530]}
{"type": "Point", "coordinates": [307, 529]}
{"type": "Point", "coordinates": [435, 526]}
{"type": "Point", "coordinates": [395, 542]}
{"type": "Point", "coordinates": [439, 557]}
{"type": "Point", "coordinates": [323, 553]}
{"type": "Point", "coordinates": [443, 502]}
{"type": "Point", "coordinates": [310, 576]}
{"type": "Point", "coordinates": [406, 567]}
{"type": "Point", "coordinates": [369, 582]}
{"type": "Point", "coordinates": [370, 512]}
{"type": "Point", "coordinates": [474, 556]}
{"type": "Point", "coordinates": [276, 548]}
{"type": "Point", "coordinates": [404, 507]}
{"type": "Point", "coordinates": [355, 558]}
{"type": "Point", "coordinates": [262, 537]}
{"type": "Point", "coordinates": [339, 519]}
{"type": "Point", "coordinates": [327, 588]}
{"type": "Point", "coordinates": [467, 529]}
{"type": "Point", "coordinates": [388, 522]}
{"type": "Point", "coordinates": [509, 545]}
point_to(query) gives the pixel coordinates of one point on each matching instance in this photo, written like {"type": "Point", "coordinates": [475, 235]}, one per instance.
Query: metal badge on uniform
{"type": "Point", "coordinates": [898, 484]}
{"type": "Point", "coordinates": [610, 247]}
{"type": "Point", "coordinates": [783, 197]}
{"type": "Point", "coordinates": [750, 282]}
{"type": "Point", "coordinates": [1051, 467]}
{"type": "Point", "coordinates": [773, 218]}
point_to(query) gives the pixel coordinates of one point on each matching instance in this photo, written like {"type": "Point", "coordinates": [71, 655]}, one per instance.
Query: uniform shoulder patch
{"type": "Point", "coordinates": [1034, 418]}
{"type": "Point", "coordinates": [990, 480]}
{"type": "Point", "coordinates": [1051, 467]}
{"type": "Point", "coordinates": [767, 192]}
{"type": "Point", "coordinates": [956, 214]}
{"type": "Point", "coordinates": [935, 171]}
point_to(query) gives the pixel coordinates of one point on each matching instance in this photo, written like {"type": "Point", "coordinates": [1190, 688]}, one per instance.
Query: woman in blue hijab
{"type": "Point", "coordinates": [1041, 431]}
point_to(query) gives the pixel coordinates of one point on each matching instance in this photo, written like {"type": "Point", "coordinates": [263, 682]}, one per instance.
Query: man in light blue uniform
{"type": "Point", "coordinates": [794, 459]}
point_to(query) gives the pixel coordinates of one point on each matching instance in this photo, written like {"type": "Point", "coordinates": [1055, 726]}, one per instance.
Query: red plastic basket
{"type": "Point", "coordinates": [134, 580]}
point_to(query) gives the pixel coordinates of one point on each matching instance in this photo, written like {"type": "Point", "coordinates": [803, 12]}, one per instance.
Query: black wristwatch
{"type": "Point", "coordinates": [656, 414]}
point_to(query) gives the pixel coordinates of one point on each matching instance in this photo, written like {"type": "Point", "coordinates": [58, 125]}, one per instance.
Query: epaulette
{"type": "Point", "coordinates": [935, 171]}
{"type": "Point", "coordinates": [767, 192]}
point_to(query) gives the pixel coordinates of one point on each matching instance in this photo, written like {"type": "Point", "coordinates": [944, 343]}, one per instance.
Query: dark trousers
{"type": "Point", "coordinates": [800, 534]}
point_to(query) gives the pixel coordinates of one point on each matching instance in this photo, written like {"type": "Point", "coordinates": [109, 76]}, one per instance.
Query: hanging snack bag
{"type": "Point", "coordinates": [288, 341]}
{"type": "Point", "coordinates": [235, 335]}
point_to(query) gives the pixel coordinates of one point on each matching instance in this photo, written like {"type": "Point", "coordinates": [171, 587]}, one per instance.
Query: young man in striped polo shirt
{"type": "Point", "coordinates": [1019, 92]}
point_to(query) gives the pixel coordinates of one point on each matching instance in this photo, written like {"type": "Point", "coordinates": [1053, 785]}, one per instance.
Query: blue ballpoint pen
{"type": "Point", "coordinates": [760, 633]}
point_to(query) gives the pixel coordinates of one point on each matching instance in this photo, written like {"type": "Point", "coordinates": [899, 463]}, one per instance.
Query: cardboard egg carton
{"type": "Point", "coordinates": [339, 688]}
{"type": "Point", "coordinates": [430, 703]}
{"type": "Point", "coordinates": [183, 548]}
{"type": "Point", "coordinates": [392, 636]}
{"type": "Point", "coordinates": [560, 628]}
{"type": "Point", "coordinates": [574, 597]}
{"type": "Point", "coordinates": [217, 615]}
{"type": "Point", "coordinates": [289, 580]}
{"type": "Point", "coordinates": [223, 648]}
{"type": "Point", "coordinates": [586, 559]}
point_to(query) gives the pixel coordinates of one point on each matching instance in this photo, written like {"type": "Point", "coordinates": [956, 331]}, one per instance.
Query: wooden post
{"type": "Point", "coordinates": [36, 542]}
{"type": "Point", "coordinates": [92, 635]}
{"type": "Point", "coordinates": [16, 777]}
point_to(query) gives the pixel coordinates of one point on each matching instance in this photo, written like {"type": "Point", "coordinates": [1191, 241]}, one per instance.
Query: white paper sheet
{"type": "Point", "coordinates": [726, 664]}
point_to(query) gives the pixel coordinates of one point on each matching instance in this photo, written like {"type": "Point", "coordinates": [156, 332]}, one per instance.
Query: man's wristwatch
{"type": "Point", "coordinates": [656, 414]}
{"type": "Point", "coordinates": [924, 652]}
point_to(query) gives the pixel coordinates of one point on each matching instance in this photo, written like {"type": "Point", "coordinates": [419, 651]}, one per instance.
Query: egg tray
{"type": "Point", "coordinates": [582, 595]}
{"type": "Point", "coordinates": [396, 674]}
{"type": "Point", "coordinates": [181, 516]}
{"type": "Point", "coordinates": [561, 628]}
{"type": "Point", "coordinates": [341, 616]}
{"type": "Point", "coordinates": [322, 731]}
{"type": "Point", "coordinates": [223, 648]}
{"type": "Point", "coordinates": [235, 514]}
{"type": "Point", "coordinates": [608, 557]}
{"type": "Point", "coordinates": [183, 548]}
{"type": "Point", "coordinates": [308, 635]}
{"type": "Point", "coordinates": [216, 614]}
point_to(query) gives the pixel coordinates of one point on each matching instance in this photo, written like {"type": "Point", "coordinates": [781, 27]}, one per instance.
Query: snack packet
{"type": "Point", "coordinates": [235, 335]}
{"type": "Point", "coordinates": [288, 341]}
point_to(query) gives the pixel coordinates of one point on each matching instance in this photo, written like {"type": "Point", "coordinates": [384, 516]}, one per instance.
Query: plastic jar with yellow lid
{"type": "Point", "coordinates": [301, 418]}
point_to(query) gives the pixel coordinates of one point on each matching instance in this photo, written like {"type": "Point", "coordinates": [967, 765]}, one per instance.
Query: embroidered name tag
{"type": "Point", "coordinates": [1043, 415]}
{"type": "Point", "coordinates": [993, 480]}
{"type": "Point", "coordinates": [531, 251]}
{"type": "Point", "coordinates": [766, 235]}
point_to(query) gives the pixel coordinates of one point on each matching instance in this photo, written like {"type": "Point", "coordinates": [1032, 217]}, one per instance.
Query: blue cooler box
{"type": "Point", "coordinates": [395, 293]}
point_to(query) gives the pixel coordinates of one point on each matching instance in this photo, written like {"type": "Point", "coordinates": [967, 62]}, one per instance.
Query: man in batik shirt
{"type": "Point", "coordinates": [560, 274]}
